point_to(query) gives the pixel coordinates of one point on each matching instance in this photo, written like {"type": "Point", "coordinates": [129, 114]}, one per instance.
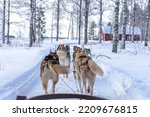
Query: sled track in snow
{"type": "Point", "coordinates": [24, 83]}
{"type": "Point", "coordinates": [21, 84]}
{"type": "Point", "coordinates": [119, 81]}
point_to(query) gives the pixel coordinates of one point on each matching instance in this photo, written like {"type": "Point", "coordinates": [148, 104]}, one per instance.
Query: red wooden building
{"type": "Point", "coordinates": [107, 33]}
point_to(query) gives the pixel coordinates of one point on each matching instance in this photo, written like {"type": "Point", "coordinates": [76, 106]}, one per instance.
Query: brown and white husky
{"type": "Point", "coordinates": [63, 53]}
{"type": "Point", "coordinates": [50, 70]}
{"type": "Point", "coordinates": [86, 71]}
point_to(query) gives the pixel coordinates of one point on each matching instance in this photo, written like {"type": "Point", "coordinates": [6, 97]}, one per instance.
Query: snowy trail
{"type": "Point", "coordinates": [28, 83]}
{"type": "Point", "coordinates": [117, 83]}
{"type": "Point", "coordinates": [22, 84]}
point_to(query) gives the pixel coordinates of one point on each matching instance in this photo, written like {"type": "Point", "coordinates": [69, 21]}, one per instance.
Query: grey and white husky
{"type": "Point", "coordinates": [50, 69]}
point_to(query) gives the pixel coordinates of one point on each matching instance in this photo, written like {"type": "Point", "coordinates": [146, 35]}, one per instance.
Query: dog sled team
{"type": "Point", "coordinates": [58, 62]}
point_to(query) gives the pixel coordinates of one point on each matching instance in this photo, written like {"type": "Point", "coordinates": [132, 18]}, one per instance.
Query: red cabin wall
{"type": "Point", "coordinates": [109, 37]}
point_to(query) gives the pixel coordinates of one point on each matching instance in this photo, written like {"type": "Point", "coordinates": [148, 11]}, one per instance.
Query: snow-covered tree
{"type": "Point", "coordinates": [40, 24]}
{"type": "Point", "coordinates": [80, 20]}
{"type": "Point", "coordinates": [133, 19]}
{"type": "Point", "coordinates": [3, 21]}
{"type": "Point", "coordinates": [125, 17]}
{"type": "Point", "coordinates": [34, 21]}
{"type": "Point", "coordinates": [58, 18]}
{"type": "Point", "coordinates": [31, 29]}
{"type": "Point", "coordinates": [100, 19]}
{"type": "Point", "coordinates": [92, 30]}
{"type": "Point", "coordinates": [115, 27]}
{"type": "Point", "coordinates": [100, 5]}
{"type": "Point", "coordinates": [32, 33]}
{"type": "Point", "coordinates": [147, 24]}
{"type": "Point", "coordinates": [8, 22]}
{"type": "Point", "coordinates": [137, 16]}
{"type": "Point", "coordinates": [87, 5]}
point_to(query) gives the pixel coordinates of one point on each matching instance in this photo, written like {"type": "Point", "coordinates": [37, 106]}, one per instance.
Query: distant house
{"type": "Point", "coordinates": [107, 33]}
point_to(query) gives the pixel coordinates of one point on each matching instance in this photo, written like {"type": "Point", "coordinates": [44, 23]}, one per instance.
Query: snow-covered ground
{"type": "Point", "coordinates": [126, 74]}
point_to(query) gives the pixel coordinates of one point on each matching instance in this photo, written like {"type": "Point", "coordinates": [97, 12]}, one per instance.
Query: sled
{"type": "Point", "coordinates": [61, 96]}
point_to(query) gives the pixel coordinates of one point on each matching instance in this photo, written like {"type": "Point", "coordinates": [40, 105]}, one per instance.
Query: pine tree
{"type": "Point", "coordinates": [92, 30]}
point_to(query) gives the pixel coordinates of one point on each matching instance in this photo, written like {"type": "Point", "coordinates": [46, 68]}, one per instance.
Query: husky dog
{"type": "Point", "coordinates": [53, 57]}
{"type": "Point", "coordinates": [86, 50]}
{"type": "Point", "coordinates": [86, 71]}
{"type": "Point", "coordinates": [76, 50]}
{"type": "Point", "coordinates": [68, 54]}
{"type": "Point", "coordinates": [64, 55]}
{"type": "Point", "coordinates": [50, 70]}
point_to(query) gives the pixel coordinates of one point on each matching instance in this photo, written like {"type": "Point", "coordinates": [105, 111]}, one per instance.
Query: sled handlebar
{"type": "Point", "coordinates": [61, 96]}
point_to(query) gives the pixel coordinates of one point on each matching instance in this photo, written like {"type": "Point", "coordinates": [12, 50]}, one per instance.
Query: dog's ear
{"type": "Point", "coordinates": [83, 47]}
{"type": "Point", "coordinates": [58, 47]}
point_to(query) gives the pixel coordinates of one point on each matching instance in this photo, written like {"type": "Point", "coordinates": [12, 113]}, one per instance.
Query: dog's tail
{"type": "Point", "coordinates": [60, 69]}
{"type": "Point", "coordinates": [42, 68]}
{"type": "Point", "coordinates": [95, 68]}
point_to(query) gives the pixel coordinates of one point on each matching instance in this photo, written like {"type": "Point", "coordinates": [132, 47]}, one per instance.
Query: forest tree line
{"type": "Point", "coordinates": [135, 13]}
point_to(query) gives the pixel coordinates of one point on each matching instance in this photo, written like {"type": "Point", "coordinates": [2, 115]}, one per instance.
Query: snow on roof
{"type": "Point", "coordinates": [109, 30]}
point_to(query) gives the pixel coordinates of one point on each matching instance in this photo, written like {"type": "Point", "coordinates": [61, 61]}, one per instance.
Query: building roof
{"type": "Point", "coordinates": [109, 30]}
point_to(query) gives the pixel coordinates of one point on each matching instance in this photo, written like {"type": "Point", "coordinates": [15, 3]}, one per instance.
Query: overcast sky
{"type": "Point", "coordinates": [23, 29]}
